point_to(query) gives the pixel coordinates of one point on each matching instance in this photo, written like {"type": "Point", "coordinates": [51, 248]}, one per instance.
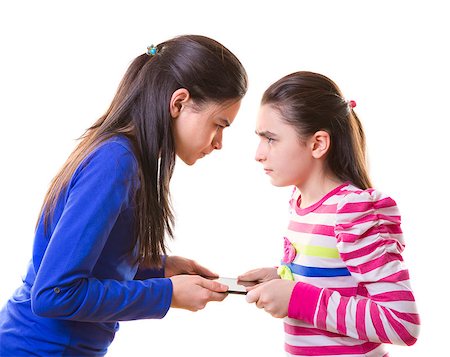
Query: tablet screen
{"type": "Point", "coordinates": [236, 286]}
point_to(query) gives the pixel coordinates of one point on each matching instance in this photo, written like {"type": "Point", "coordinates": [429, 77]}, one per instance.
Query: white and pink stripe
{"type": "Point", "coordinates": [350, 315]}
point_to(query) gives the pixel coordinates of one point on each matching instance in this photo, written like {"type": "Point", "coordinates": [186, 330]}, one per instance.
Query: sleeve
{"type": "Point", "coordinates": [64, 287]}
{"type": "Point", "coordinates": [148, 273]}
{"type": "Point", "coordinates": [370, 242]}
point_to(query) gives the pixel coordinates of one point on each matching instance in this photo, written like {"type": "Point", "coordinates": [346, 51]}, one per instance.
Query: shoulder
{"type": "Point", "coordinates": [360, 212]}
{"type": "Point", "coordinates": [114, 152]}
{"type": "Point", "coordinates": [354, 200]}
{"type": "Point", "coordinates": [111, 160]}
{"type": "Point", "coordinates": [116, 146]}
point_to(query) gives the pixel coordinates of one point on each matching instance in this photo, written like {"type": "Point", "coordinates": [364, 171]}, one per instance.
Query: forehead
{"type": "Point", "coordinates": [269, 119]}
{"type": "Point", "coordinates": [227, 110]}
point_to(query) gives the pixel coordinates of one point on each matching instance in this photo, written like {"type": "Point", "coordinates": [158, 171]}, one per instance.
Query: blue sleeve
{"type": "Point", "coordinates": [64, 287]}
{"type": "Point", "coordinates": [148, 273]}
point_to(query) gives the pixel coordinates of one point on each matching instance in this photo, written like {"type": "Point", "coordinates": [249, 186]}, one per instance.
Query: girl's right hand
{"type": "Point", "coordinates": [273, 296]}
{"type": "Point", "coordinates": [262, 275]}
{"type": "Point", "coordinates": [193, 292]}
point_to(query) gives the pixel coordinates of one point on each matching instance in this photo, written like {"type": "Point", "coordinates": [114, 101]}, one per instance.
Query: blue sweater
{"type": "Point", "coordinates": [83, 276]}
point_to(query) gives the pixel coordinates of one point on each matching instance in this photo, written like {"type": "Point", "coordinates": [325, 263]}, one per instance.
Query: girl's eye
{"type": "Point", "coordinates": [270, 140]}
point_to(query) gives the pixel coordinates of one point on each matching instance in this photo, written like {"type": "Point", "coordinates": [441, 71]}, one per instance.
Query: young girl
{"type": "Point", "coordinates": [344, 290]}
{"type": "Point", "coordinates": [99, 248]}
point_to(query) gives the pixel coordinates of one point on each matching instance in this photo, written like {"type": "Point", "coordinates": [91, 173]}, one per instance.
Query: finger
{"type": "Point", "coordinates": [213, 285]}
{"type": "Point", "coordinates": [245, 276]}
{"type": "Point", "coordinates": [251, 275]}
{"type": "Point", "coordinates": [203, 271]}
{"type": "Point", "coordinates": [218, 296]}
{"type": "Point", "coordinates": [260, 305]}
{"type": "Point", "coordinates": [249, 288]}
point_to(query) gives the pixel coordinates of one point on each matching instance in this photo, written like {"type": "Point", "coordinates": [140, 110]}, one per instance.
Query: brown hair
{"type": "Point", "coordinates": [311, 102]}
{"type": "Point", "coordinates": [140, 111]}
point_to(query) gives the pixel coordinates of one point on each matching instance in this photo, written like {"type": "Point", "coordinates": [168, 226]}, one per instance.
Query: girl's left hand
{"type": "Point", "coordinates": [178, 265]}
{"type": "Point", "coordinates": [273, 296]}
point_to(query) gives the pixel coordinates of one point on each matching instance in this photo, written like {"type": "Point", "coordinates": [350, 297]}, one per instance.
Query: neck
{"type": "Point", "coordinates": [317, 187]}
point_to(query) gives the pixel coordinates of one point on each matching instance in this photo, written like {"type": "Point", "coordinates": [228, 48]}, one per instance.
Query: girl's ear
{"type": "Point", "coordinates": [177, 102]}
{"type": "Point", "coordinates": [320, 144]}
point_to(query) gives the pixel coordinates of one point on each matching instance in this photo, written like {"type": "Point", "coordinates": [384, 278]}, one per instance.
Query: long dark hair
{"type": "Point", "coordinates": [140, 111]}
{"type": "Point", "coordinates": [311, 102]}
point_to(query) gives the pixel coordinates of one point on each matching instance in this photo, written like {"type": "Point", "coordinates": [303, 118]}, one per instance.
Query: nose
{"type": "Point", "coordinates": [217, 141]}
{"type": "Point", "coordinates": [260, 155]}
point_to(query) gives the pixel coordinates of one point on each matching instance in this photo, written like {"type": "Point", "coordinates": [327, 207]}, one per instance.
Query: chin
{"type": "Point", "coordinates": [188, 161]}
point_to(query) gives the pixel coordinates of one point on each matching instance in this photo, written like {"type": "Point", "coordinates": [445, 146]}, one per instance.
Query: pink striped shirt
{"type": "Point", "coordinates": [353, 293]}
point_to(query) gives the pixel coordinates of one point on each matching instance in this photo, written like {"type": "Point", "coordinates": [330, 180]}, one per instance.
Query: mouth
{"type": "Point", "coordinates": [268, 171]}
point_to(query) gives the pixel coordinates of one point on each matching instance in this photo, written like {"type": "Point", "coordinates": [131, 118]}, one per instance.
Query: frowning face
{"type": "Point", "coordinates": [198, 130]}
{"type": "Point", "coordinates": [284, 157]}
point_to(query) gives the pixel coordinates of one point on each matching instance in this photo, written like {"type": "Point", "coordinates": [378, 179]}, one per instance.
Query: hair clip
{"type": "Point", "coordinates": [151, 50]}
{"type": "Point", "coordinates": [351, 104]}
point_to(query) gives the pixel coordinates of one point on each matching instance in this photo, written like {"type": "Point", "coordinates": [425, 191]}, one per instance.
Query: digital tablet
{"type": "Point", "coordinates": [236, 286]}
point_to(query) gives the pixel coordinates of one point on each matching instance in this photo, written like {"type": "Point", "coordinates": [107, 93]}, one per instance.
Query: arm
{"type": "Point", "coordinates": [65, 287]}
{"type": "Point", "coordinates": [174, 265]}
{"type": "Point", "coordinates": [370, 243]}
{"type": "Point", "coordinates": [144, 273]}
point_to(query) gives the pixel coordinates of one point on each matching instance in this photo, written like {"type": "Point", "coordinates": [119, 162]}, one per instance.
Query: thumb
{"type": "Point", "coordinates": [213, 285]}
{"type": "Point", "coordinates": [251, 275]}
{"type": "Point", "coordinates": [252, 296]}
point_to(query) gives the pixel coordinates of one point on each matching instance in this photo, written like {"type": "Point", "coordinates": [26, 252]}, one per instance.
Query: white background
{"type": "Point", "coordinates": [61, 62]}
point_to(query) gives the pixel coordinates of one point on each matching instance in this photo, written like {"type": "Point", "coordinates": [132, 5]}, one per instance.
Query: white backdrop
{"type": "Point", "coordinates": [61, 62]}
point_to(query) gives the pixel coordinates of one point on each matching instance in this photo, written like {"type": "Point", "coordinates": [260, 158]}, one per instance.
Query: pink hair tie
{"type": "Point", "coordinates": [352, 103]}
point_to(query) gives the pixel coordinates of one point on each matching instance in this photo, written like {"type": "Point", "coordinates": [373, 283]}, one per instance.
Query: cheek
{"type": "Point", "coordinates": [294, 164]}
{"type": "Point", "coordinates": [287, 156]}
{"type": "Point", "coordinates": [197, 142]}
{"type": "Point", "coordinates": [206, 137]}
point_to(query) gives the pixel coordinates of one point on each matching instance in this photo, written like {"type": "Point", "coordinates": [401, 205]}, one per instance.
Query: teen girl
{"type": "Point", "coordinates": [344, 289]}
{"type": "Point", "coordinates": [99, 253]}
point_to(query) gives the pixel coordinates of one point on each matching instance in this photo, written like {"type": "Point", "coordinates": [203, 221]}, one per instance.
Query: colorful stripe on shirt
{"type": "Point", "coordinates": [353, 292]}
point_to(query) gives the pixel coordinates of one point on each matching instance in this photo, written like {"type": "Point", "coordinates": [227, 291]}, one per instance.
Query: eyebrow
{"type": "Point", "coordinates": [224, 121]}
{"type": "Point", "coordinates": [265, 134]}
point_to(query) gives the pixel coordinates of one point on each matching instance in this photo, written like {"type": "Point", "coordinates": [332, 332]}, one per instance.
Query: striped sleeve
{"type": "Point", "coordinates": [370, 243]}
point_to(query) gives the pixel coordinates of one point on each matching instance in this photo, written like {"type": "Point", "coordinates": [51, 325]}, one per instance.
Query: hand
{"type": "Point", "coordinates": [261, 274]}
{"type": "Point", "coordinates": [273, 296]}
{"type": "Point", "coordinates": [192, 292]}
{"type": "Point", "coordinates": [179, 265]}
